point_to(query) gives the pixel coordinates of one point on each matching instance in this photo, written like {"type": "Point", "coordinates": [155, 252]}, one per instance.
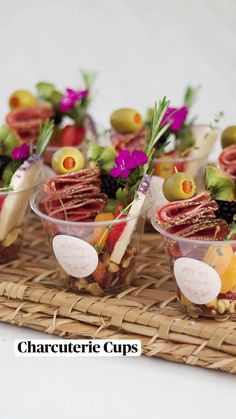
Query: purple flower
{"type": "Point", "coordinates": [139, 157]}
{"type": "Point", "coordinates": [21, 153]}
{"type": "Point", "coordinates": [125, 162]}
{"type": "Point", "coordinates": [176, 116]}
{"type": "Point", "coordinates": [71, 98]}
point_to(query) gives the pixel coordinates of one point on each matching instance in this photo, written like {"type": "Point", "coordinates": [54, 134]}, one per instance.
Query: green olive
{"type": "Point", "coordinates": [179, 186]}
{"type": "Point", "coordinates": [22, 99]}
{"type": "Point", "coordinates": [126, 120]}
{"type": "Point", "coordinates": [67, 160]}
{"type": "Point", "coordinates": [228, 136]}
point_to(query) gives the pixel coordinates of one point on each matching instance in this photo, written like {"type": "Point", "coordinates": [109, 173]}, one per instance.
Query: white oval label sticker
{"type": "Point", "coordinates": [77, 257]}
{"type": "Point", "coordinates": [199, 282]}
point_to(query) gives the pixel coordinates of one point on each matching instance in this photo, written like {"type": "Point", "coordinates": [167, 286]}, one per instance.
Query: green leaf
{"type": "Point", "coordinates": [45, 134]}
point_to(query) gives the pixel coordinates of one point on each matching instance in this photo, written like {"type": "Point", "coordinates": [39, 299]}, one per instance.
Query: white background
{"type": "Point", "coordinates": [143, 50]}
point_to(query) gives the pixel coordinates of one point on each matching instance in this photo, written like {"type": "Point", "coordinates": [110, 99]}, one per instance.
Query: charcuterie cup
{"type": "Point", "coordinates": [193, 162]}
{"type": "Point", "coordinates": [204, 272]}
{"type": "Point", "coordinates": [94, 257]}
{"type": "Point", "coordinates": [14, 205]}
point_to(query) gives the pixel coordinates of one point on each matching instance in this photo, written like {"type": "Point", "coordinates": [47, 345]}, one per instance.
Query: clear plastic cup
{"type": "Point", "coordinates": [205, 138]}
{"type": "Point", "coordinates": [90, 256]}
{"type": "Point", "coordinates": [167, 165]}
{"type": "Point", "coordinates": [204, 272]}
{"type": "Point", "coordinates": [13, 209]}
{"type": "Point", "coordinates": [193, 164]}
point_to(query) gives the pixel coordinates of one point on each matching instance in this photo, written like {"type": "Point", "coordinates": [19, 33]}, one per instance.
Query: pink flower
{"type": "Point", "coordinates": [71, 98]}
{"type": "Point", "coordinates": [126, 162]}
{"type": "Point", "coordinates": [21, 153]}
{"type": "Point", "coordinates": [139, 157]}
{"type": "Point", "coordinates": [176, 116]}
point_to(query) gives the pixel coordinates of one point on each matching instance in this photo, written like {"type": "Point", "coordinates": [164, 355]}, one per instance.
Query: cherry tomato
{"type": "Point", "coordinates": [72, 135]}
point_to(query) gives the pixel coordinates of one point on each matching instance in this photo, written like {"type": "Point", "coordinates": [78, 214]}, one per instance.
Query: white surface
{"type": "Point", "coordinates": [143, 50]}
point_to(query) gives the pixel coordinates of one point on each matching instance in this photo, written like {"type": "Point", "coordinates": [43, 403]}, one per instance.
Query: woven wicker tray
{"type": "Point", "coordinates": [31, 296]}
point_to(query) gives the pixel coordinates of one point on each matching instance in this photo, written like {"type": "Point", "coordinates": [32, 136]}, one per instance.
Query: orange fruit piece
{"type": "Point", "coordinates": [164, 169]}
{"type": "Point", "coordinates": [228, 278]}
{"type": "Point", "coordinates": [101, 233]}
{"type": "Point", "coordinates": [219, 257]}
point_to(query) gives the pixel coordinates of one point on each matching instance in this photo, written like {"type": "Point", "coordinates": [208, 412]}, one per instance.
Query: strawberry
{"type": "Point", "coordinates": [116, 230]}
{"type": "Point", "coordinates": [2, 198]}
{"type": "Point", "coordinates": [72, 135]}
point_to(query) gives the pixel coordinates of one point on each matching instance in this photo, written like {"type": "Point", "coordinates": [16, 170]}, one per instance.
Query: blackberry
{"type": "Point", "coordinates": [226, 210]}
{"type": "Point", "coordinates": [4, 160]}
{"type": "Point", "coordinates": [109, 186]}
{"type": "Point", "coordinates": [57, 118]}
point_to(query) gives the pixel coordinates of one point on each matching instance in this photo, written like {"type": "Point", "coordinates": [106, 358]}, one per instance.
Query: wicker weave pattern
{"type": "Point", "coordinates": [32, 296]}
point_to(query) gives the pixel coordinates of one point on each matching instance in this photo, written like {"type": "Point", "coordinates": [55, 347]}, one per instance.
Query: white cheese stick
{"type": "Point", "coordinates": [124, 239]}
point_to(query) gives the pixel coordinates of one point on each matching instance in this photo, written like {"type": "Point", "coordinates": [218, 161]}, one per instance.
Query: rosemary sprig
{"type": "Point", "coordinates": [214, 125]}
{"type": "Point", "coordinates": [157, 131]}
{"type": "Point", "coordinates": [190, 95]}
{"type": "Point", "coordinates": [45, 133]}
{"type": "Point", "coordinates": [217, 118]}
{"type": "Point", "coordinates": [89, 78]}
{"type": "Point", "coordinates": [79, 111]}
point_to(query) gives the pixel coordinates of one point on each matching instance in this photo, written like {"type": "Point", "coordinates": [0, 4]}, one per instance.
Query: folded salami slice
{"type": "Point", "coordinates": [26, 122]}
{"type": "Point", "coordinates": [75, 196]}
{"type": "Point", "coordinates": [76, 209]}
{"type": "Point", "coordinates": [69, 184]}
{"type": "Point", "coordinates": [131, 142]}
{"type": "Point", "coordinates": [214, 229]}
{"type": "Point", "coordinates": [228, 157]}
{"type": "Point", "coordinates": [180, 211]}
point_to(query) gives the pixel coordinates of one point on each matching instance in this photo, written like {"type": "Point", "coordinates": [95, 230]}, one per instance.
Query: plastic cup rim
{"type": "Point", "coordinates": [46, 217]}
{"type": "Point", "coordinates": [180, 159]}
{"type": "Point", "coordinates": [8, 192]}
{"type": "Point", "coordinates": [189, 158]}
